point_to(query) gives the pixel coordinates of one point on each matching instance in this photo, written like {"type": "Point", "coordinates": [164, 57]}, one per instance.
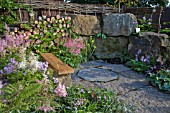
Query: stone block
{"type": "Point", "coordinates": [119, 24]}
{"type": "Point", "coordinates": [110, 47]}
{"type": "Point", "coordinates": [86, 24]}
{"type": "Point", "coordinates": [148, 42]}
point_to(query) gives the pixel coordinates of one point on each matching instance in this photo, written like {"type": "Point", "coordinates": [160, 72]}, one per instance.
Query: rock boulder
{"type": "Point", "coordinates": [86, 24]}
{"type": "Point", "coordinates": [110, 47]}
{"type": "Point", "coordinates": [148, 42]}
{"type": "Point", "coordinates": [119, 24]}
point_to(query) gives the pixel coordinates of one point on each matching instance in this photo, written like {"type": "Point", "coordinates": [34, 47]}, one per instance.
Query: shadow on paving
{"type": "Point", "coordinates": [130, 86]}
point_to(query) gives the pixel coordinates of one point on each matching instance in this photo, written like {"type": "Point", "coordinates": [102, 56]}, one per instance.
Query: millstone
{"type": "Point", "coordinates": [96, 74]}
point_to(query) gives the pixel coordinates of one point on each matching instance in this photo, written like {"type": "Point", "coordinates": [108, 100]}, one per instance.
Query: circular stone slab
{"type": "Point", "coordinates": [96, 74]}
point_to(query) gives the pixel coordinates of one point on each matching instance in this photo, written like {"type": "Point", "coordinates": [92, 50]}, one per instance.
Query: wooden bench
{"type": "Point", "coordinates": [61, 70]}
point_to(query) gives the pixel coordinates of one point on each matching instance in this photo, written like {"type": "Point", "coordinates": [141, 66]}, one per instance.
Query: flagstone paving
{"type": "Point", "coordinates": [126, 83]}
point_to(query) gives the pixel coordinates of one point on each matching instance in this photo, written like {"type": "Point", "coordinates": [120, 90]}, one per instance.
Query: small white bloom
{"type": "Point", "coordinates": [31, 14]}
{"type": "Point", "coordinates": [144, 18]}
{"type": "Point", "coordinates": [149, 23]}
{"type": "Point", "coordinates": [44, 17]}
{"type": "Point", "coordinates": [23, 64]}
{"type": "Point", "coordinates": [137, 30]}
{"type": "Point", "coordinates": [1, 84]}
{"type": "Point", "coordinates": [39, 18]}
{"type": "Point", "coordinates": [154, 10]}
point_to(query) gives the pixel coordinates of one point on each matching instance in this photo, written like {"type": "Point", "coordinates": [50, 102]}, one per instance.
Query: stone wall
{"type": "Point", "coordinates": [118, 28]}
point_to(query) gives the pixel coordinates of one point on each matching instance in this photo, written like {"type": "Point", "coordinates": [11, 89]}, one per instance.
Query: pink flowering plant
{"type": "Point", "coordinates": [55, 35]}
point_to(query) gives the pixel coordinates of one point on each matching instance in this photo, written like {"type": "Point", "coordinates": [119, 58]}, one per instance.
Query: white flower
{"type": "Point", "coordinates": [23, 64]}
{"type": "Point", "coordinates": [44, 17]}
{"type": "Point", "coordinates": [154, 10]}
{"type": "Point", "coordinates": [137, 30]}
{"type": "Point", "coordinates": [149, 23]}
{"type": "Point", "coordinates": [39, 18]}
{"type": "Point", "coordinates": [1, 84]}
{"type": "Point", "coordinates": [31, 14]}
{"type": "Point", "coordinates": [144, 18]}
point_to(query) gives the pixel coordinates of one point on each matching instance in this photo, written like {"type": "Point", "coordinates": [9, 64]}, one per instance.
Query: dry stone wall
{"type": "Point", "coordinates": [119, 28]}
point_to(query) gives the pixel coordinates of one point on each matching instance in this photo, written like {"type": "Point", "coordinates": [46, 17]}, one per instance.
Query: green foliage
{"type": "Point", "coordinates": [150, 3]}
{"type": "Point", "coordinates": [136, 3]}
{"type": "Point", "coordinates": [26, 96]}
{"type": "Point", "coordinates": [101, 35]}
{"type": "Point", "coordinates": [124, 56]}
{"type": "Point", "coordinates": [107, 2]}
{"type": "Point", "coordinates": [55, 35]}
{"type": "Point", "coordinates": [160, 79]}
{"type": "Point", "coordinates": [165, 30]}
{"type": "Point", "coordinates": [20, 96]}
{"type": "Point", "coordinates": [145, 25]}
{"type": "Point", "coordinates": [8, 14]}
{"type": "Point", "coordinates": [138, 66]}
{"type": "Point", "coordinates": [83, 100]}
{"type": "Point", "coordinates": [90, 45]}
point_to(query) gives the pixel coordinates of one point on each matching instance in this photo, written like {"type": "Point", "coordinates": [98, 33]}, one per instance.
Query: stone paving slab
{"type": "Point", "coordinates": [93, 64]}
{"type": "Point", "coordinates": [96, 74]}
{"type": "Point", "coordinates": [123, 84]}
{"type": "Point", "coordinates": [116, 67]}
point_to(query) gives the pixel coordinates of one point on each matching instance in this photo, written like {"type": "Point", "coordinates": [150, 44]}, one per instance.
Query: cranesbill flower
{"type": "Point", "coordinates": [142, 58]}
{"type": "Point", "coordinates": [45, 108]}
{"type": "Point", "coordinates": [139, 51]}
{"type": "Point", "coordinates": [9, 68]}
{"type": "Point", "coordinates": [1, 72]}
{"type": "Point", "coordinates": [82, 90]}
{"type": "Point", "coordinates": [12, 60]}
{"type": "Point", "coordinates": [1, 85]}
{"type": "Point", "coordinates": [60, 90]}
{"type": "Point", "coordinates": [55, 80]}
{"type": "Point", "coordinates": [42, 66]}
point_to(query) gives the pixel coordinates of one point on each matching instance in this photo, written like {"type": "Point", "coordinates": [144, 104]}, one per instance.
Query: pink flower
{"type": "Point", "coordinates": [19, 40]}
{"type": "Point", "coordinates": [38, 42]}
{"type": "Point", "coordinates": [7, 27]}
{"type": "Point", "coordinates": [9, 39]}
{"type": "Point", "coordinates": [60, 90]}
{"type": "Point", "coordinates": [74, 46]}
{"type": "Point", "coordinates": [45, 108]}
{"type": "Point", "coordinates": [27, 44]}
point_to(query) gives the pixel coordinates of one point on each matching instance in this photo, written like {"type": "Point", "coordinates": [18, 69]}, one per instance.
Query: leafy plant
{"type": "Point", "coordinates": [145, 25]}
{"type": "Point", "coordinates": [160, 79]}
{"type": "Point", "coordinates": [55, 35]}
{"type": "Point", "coordinates": [84, 100]}
{"type": "Point", "coordinates": [124, 56]}
{"type": "Point", "coordinates": [138, 66]}
{"type": "Point", "coordinates": [155, 68]}
{"type": "Point", "coordinates": [165, 30]}
{"type": "Point", "coordinates": [101, 35]}
{"type": "Point", "coordinates": [8, 13]}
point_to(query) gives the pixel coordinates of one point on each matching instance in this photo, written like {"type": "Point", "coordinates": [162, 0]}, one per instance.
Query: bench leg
{"type": "Point", "coordinates": [66, 79]}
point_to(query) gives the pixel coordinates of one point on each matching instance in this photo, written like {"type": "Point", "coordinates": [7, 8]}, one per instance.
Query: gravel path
{"type": "Point", "coordinates": [129, 85]}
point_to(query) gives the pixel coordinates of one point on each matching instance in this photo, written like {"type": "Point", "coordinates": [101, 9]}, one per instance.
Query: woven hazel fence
{"type": "Point", "coordinates": [54, 7]}
{"type": "Point", "coordinates": [68, 7]}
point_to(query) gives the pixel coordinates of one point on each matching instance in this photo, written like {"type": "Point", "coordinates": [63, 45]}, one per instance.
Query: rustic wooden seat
{"type": "Point", "coordinates": [61, 70]}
